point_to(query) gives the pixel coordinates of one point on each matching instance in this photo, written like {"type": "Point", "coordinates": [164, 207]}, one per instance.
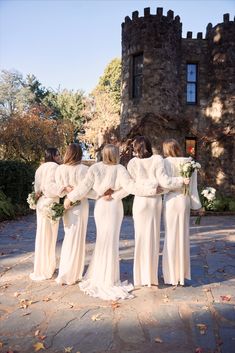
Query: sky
{"type": "Point", "coordinates": [68, 43]}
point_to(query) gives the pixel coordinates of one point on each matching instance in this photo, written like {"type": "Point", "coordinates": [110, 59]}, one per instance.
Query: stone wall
{"type": "Point", "coordinates": [162, 111]}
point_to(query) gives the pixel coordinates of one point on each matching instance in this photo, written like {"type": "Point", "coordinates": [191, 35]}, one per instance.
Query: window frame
{"type": "Point", "coordinates": [133, 76]}
{"type": "Point", "coordinates": [192, 82]}
{"type": "Point", "coordinates": [191, 138]}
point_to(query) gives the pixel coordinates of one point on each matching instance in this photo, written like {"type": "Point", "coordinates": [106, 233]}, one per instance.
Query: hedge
{"type": "Point", "coordinates": [16, 180]}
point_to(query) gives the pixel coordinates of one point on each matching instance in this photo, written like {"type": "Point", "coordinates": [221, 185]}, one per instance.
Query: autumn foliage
{"type": "Point", "coordinates": [27, 136]}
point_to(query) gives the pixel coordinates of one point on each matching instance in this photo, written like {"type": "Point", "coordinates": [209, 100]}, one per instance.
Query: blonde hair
{"type": "Point", "coordinates": [171, 148]}
{"type": "Point", "coordinates": [73, 154]}
{"type": "Point", "coordinates": [110, 154]}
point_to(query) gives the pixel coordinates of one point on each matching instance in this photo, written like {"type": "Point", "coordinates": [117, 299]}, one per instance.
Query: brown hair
{"type": "Point", "coordinates": [171, 148]}
{"type": "Point", "coordinates": [142, 147]}
{"type": "Point", "coordinates": [50, 154]}
{"type": "Point", "coordinates": [73, 154]}
{"type": "Point", "coordinates": [110, 154]}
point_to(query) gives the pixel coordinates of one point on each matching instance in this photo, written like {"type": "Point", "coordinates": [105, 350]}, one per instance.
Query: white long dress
{"type": "Point", "coordinates": [47, 231]}
{"type": "Point", "coordinates": [147, 217]}
{"type": "Point", "coordinates": [75, 226]}
{"type": "Point", "coordinates": [176, 251]}
{"type": "Point", "coordinates": [103, 278]}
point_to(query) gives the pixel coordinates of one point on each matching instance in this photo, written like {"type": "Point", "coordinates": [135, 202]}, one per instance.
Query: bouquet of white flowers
{"type": "Point", "coordinates": [186, 171]}
{"type": "Point", "coordinates": [32, 199]}
{"type": "Point", "coordinates": [207, 198]}
{"type": "Point", "coordinates": [56, 210]}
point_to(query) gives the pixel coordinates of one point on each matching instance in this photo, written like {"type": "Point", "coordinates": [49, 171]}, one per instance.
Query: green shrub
{"type": "Point", "coordinates": [16, 180]}
{"type": "Point", "coordinates": [231, 205]}
{"type": "Point", "coordinates": [127, 205]}
{"type": "Point", "coordinates": [6, 207]}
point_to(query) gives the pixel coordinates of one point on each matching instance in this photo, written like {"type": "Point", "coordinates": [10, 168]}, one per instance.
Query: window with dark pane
{"type": "Point", "coordinates": [191, 83]}
{"type": "Point", "coordinates": [137, 78]}
{"type": "Point", "coordinates": [191, 146]}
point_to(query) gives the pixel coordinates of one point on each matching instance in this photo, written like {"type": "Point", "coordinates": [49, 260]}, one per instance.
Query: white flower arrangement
{"type": "Point", "coordinates": [56, 210]}
{"type": "Point", "coordinates": [32, 200]}
{"type": "Point", "coordinates": [186, 171]}
{"type": "Point", "coordinates": [208, 196]}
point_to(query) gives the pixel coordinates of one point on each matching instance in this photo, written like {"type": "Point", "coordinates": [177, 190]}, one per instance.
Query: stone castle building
{"type": "Point", "coordinates": [182, 88]}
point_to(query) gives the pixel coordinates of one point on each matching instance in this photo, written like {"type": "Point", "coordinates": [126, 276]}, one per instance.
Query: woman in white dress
{"type": "Point", "coordinates": [71, 174]}
{"type": "Point", "coordinates": [102, 278]}
{"type": "Point", "coordinates": [176, 251]}
{"type": "Point", "coordinates": [46, 234]}
{"type": "Point", "coordinates": [147, 211]}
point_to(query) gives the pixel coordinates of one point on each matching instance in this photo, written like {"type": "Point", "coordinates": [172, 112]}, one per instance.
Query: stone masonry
{"type": "Point", "coordinates": [162, 110]}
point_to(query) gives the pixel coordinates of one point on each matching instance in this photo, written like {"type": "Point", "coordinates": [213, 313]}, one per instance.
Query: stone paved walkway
{"type": "Point", "coordinates": [45, 316]}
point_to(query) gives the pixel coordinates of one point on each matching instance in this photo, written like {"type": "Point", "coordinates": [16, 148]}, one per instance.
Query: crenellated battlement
{"type": "Point", "coordinates": [159, 17]}
{"type": "Point", "coordinates": [153, 17]}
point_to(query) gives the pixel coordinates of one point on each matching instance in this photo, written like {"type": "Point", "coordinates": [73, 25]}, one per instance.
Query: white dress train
{"type": "Point", "coordinates": [102, 278]}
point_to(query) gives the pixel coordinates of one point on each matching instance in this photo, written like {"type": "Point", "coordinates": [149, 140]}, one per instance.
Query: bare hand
{"type": "Point", "coordinates": [202, 211]}
{"type": "Point", "coordinates": [38, 195]}
{"type": "Point", "coordinates": [67, 203]}
{"type": "Point", "coordinates": [159, 190]}
{"type": "Point", "coordinates": [186, 181]}
{"type": "Point", "coordinates": [68, 189]}
{"type": "Point", "coordinates": [107, 197]}
{"type": "Point", "coordinates": [108, 192]}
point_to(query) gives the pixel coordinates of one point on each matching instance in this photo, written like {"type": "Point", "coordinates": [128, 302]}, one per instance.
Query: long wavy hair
{"type": "Point", "coordinates": [73, 154]}
{"type": "Point", "coordinates": [171, 148]}
{"type": "Point", "coordinates": [142, 147]}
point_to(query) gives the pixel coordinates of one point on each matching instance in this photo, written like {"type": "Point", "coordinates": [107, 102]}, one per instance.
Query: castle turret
{"type": "Point", "coordinates": [150, 66]}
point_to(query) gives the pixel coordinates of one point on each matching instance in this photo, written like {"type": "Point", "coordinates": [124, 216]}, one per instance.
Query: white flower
{"type": "Point", "coordinates": [186, 167]}
{"type": "Point", "coordinates": [198, 165]}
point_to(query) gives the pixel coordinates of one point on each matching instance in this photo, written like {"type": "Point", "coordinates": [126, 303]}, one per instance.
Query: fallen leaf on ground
{"type": "Point", "coordinates": [202, 328]}
{"type": "Point", "coordinates": [226, 298]}
{"type": "Point", "coordinates": [206, 290]}
{"type": "Point", "coordinates": [166, 298]}
{"type": "Point", "coordinates": [96, 317]}
{"type": "Point", "coordinates": [158, 340]}
{"type": "Point", "coordinates": [199, 350]}
{"type": "Point", "coordinates": [26, 314]}
{"type": "Point", "coordinates": [42, 337]}
{"type": "Point", "coordinates": [221, 270]}
{"type": "Point", "coordinates": [115, 305]}
{"type": "Point", "coordinates": [16, 294]}
{"type": "Point", "coordinates": [38, 346]}
{"type": "Point", "coordinates": [24, 303]}
{"type": "Point", "coordinates": [47, 299]}
{"type": "Point", "coordinates": [68, 349]}
{"type": "Point", "coordinates": [36, 333]}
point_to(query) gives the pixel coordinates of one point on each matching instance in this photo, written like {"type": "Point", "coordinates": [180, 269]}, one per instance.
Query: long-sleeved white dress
{"type": "Point", "coordinates": [102, 278]}
{"type": "Point", "coordinates": [176, 251]}
{"type": "Point", "coordinates": [47, 231]}
{"type": "Point", "coordinates": [147, 217]}
{"type": "Point", "coordinates": [75, 225]}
